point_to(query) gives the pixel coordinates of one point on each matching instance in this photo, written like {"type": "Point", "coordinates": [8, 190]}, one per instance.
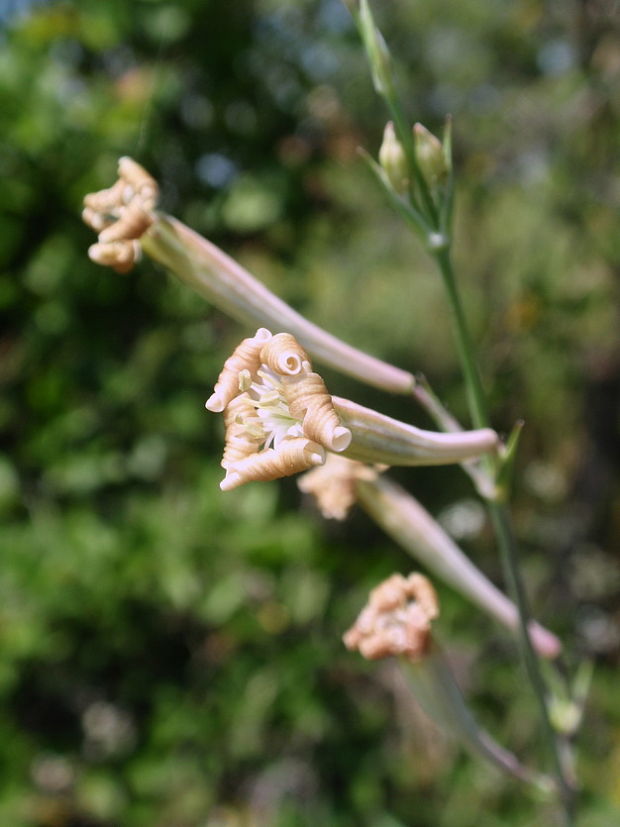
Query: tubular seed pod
{"type": "Point", "coordinates": [404, 519]}
{"type": "Point", "coordinates": [292, 456]}
{"type": "Point", "coordinates": [208, 270]}
{"type": "Point", "coordinates": [246, 356]}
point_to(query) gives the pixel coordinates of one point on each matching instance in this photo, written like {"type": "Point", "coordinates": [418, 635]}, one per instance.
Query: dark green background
{"type": "Point", "coordinates": [170, 656]}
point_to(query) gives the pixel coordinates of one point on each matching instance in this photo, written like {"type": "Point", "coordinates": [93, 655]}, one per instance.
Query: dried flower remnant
{"type": "Point", "coordinates": [120, 215]}
{"type": "Point", "coordinates": [278, 413]}
{"type": "Point", "coordinates": [396, 620]}
{"type": "Point", "coordinates": [333, 485]}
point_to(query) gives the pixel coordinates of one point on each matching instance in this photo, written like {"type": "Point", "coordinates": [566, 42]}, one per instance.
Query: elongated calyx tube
{"type": "Point", "coordinates": [415, 530]}
{"type": "Point", "coordinates": [397, 620]}
{"type": "Point", "coordinates": [380, 439]}
{"type": "Point", "coordinates": [124, 216]}
{"type": "Point", "coordinates": [433, 685]}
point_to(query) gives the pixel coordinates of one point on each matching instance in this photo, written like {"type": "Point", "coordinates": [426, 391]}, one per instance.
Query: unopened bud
{"type": "Point", "coordinates": [377, 51]}
{"type": "Point", "coordinates": [430, 155]}
{"type": "Point", "coordinates": [393, 160]}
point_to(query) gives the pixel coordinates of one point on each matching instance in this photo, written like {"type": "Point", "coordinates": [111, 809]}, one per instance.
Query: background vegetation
{"type": "Point", "coordinates": [171, 656]}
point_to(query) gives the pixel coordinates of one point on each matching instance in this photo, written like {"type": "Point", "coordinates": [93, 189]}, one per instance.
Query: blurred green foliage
{"type": "Point", "coordinates": [170, 656]}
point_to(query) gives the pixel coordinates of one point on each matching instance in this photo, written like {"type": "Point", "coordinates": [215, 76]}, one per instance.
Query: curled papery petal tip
{"type": "Point", "coordinates": [341, 439]}
{"type": "Point", "coordinates": [284, 355]}
{"type": "Point", "coordinates": [230, 481]}
{"type": "Point", "coordinates": [317, 456]}
{"type": "Point", "coordinates": [215, 403]}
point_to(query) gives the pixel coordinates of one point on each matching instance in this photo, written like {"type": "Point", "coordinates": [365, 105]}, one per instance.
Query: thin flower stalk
{"type": "Point", "coordinates": [397, 621]}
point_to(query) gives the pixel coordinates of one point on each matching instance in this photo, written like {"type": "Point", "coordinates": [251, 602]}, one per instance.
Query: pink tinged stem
{"type": "Point", "coordinates": [380, 439]}
{"type": "Point", "coordinates": [412, 527]}
{"type": "Point", "coordinates": [210, 272]}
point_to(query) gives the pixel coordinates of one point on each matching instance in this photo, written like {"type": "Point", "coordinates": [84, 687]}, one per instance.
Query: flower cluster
{"type": "Point", "coordinates": [278, 414]}
{"type": "Point", "coordinates": [396, 620]}
{"type": "Point", "coordinates": [120, 215]}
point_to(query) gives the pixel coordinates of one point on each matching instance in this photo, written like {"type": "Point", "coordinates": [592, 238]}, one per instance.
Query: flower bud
{"type": "Point", "coordinates": [430, 155]}
{"type": "Point", "coordinates": [393, 160]}
{"type": "Point", "coordinates": [377, 51]}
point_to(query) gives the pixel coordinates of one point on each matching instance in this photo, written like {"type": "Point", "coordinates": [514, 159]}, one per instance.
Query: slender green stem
{"type": "Point", "coordinates": [438, 221]}
{"type": "Point", "coordinates": [475, 392]}
{"type": "Point", "coordinates": [500, 518]}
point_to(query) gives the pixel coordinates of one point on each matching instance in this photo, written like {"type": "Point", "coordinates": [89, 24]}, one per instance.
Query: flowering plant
{"type": "Point", "coordinates": [280, 419]}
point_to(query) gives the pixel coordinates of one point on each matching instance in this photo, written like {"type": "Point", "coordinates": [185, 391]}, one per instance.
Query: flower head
{"type": "Point", "coordinates": [396, 620]}
{"type": "Point", "coordinates": [278, 414]}
{"type": "Point", "coordinates": [120, 215]}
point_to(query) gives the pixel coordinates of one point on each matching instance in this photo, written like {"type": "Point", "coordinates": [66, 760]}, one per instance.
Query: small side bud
{"type": "Point", "coordinates": [430, 155]}
{"type": "Point", "coordinates": [393, 160]}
